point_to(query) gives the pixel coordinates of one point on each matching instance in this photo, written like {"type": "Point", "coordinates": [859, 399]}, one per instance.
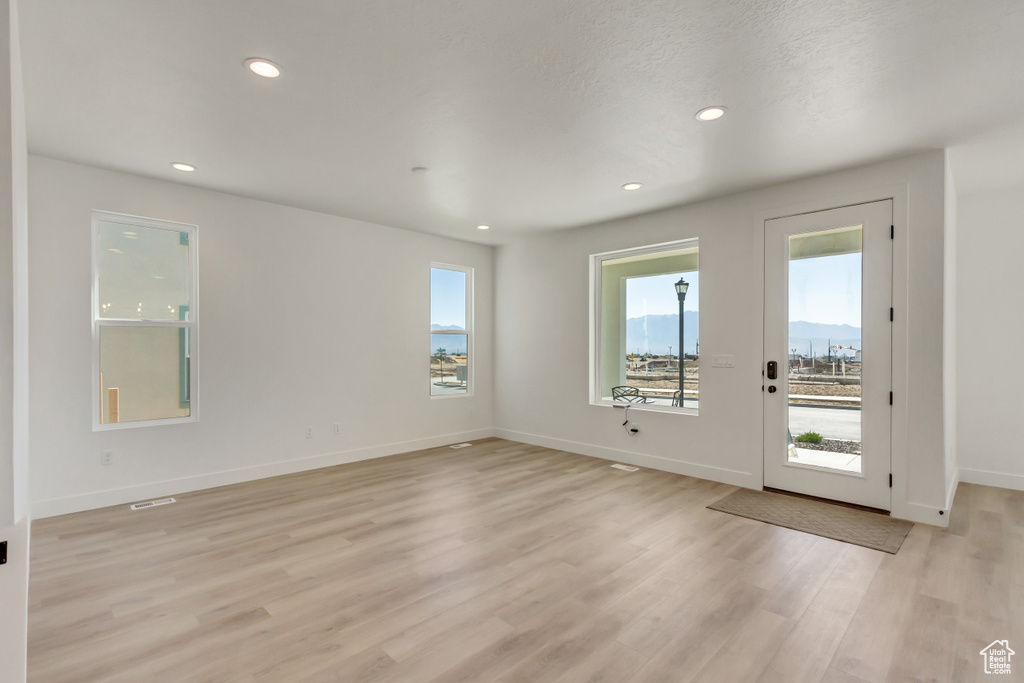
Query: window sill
{"type": "Point", "coordinates": [111, 426]}
{"type": "Point", "coordinates": [648, 407]}
{"type": "Point", "coordinates": [462, 394]}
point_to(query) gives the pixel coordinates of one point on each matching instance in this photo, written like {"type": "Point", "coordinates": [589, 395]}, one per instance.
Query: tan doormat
{"type": "Point", "coordinates": [869, 529]}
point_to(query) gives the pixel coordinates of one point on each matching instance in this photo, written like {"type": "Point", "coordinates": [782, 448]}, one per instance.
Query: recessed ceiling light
{"type": "Point", "coordinates": [115, 250]}
{"type": "Point", "coordinates": [263, 67]}
{"type": "Point", "coordinates": [632, 186]}
{"type": "Point", "coordinates": [483, 227]}
{"type": "Point", "coordinates": [710, 113]}
{"type": "Point", "coordinates": [181, 166]}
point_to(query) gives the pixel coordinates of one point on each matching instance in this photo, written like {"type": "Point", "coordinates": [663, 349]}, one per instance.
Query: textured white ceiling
{"type": "Point", "coordinates": [530, 114]}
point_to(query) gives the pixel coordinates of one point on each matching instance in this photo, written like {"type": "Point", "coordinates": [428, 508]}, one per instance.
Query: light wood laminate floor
{"type": "Point", "coordinates": [507, 562]}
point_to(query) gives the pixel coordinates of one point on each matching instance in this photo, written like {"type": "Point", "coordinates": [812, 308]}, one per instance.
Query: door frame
{"type": "Point", "coordinates": [900, 196]}
{"type": "Point", "coordinates": [872, 484]}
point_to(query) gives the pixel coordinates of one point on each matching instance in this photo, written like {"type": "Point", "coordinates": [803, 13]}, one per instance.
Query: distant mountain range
{"type": "Point", "coordinates": [451, 343]}
{"type": "Point", "coordinates": [654, 334]}
{"type": "Point", "coordinates": [804, 335]}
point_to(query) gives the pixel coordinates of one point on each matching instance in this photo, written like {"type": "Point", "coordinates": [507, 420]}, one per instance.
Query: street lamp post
{"type": "Point", "coordinates": [681, 288]}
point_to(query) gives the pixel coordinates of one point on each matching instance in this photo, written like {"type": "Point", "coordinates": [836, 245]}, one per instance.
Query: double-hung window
{"type": "Point", "coordinates": [646, 326]}
{"type": "Point", "coordinates": [451, 330]}
{"type": "Point", "coordinates": [144, 321]}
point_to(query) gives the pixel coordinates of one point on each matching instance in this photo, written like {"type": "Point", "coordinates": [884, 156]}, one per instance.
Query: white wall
{"type": "Point", "coordinates": [949, 337]}
{"type": "Point", "coordinates": [14, 599]}
{"type": "Point", "coordinates": [14, 522]}
{"type": "Point", "coordinates": [543, 294]}
{"type": "Point", "coordinates": [13, 277]}
{"type": "Point", "coordinates": [990, 331]}
{"type": "Point", "coordinates": [7, 284]}
{"type": "Point", "coordinates": [305, 319]}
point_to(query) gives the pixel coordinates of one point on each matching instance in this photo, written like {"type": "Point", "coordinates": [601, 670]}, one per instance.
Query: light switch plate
{"type": "Point", "coordinates": [722, 361]}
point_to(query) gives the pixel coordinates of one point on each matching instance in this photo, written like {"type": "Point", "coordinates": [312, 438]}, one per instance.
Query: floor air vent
{"type": "Point", "coordinates": [625, 467]}
{"type": "Point", "coordinates": [152, 503]}
{"type": "Point", "coordinates": [461, 445]}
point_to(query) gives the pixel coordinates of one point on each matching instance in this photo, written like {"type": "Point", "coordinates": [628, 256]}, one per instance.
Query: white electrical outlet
{"type": "Point", "coordinates": [309, 432]}
{"type": "Point", "coordinates": [107, 457]}
{"type": "Point", "coordinates": [722, 361]}
{"type": "Point", "coordinates": [337, 428]}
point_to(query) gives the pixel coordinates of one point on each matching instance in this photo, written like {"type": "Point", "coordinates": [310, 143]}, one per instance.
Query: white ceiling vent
{"type": "Point", "coordinates": [153, 503]}
{"type": "Point", "coordinates": [625, 467]}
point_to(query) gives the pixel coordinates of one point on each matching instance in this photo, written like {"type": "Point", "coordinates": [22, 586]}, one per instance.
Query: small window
{"type": "Point", "coordinates": [144, 321]}
{"type": "Point", "coordinates": [647, 327]}
{"type": "Point", "coordinates": [451, 330]}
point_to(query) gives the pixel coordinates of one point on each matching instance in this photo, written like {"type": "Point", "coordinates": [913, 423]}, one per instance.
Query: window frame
{"type": "Point", "coordinates": [596, 322]}
{"type": "Point", "coordinates": [192, 324]}
{"type": "Point", "coordinates": [468, 333]}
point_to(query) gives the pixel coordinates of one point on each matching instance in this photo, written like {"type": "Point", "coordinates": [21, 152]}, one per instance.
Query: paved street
{"type": "Point", "coordinates": [831, 423]}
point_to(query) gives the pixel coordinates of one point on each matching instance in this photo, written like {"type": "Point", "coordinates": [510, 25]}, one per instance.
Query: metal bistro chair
{"type": "Point", "coordinates": [628, 393]}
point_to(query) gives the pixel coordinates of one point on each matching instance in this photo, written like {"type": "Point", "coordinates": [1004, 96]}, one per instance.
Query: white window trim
{"type": "Point", "coordinates": [192, 324]}
{"type": "Point", "coordinates": [470, 336]}
{"type": "Point", "coordinates": [596, 322]}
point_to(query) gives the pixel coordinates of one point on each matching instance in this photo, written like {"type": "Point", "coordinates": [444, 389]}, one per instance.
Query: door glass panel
{"type": "Point", "coordinates": [825, 287]}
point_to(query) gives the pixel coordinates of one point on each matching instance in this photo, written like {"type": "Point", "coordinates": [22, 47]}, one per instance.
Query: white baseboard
{"type": "Point", "coordinates": [720, 474]}
{"type": "Point", "coordinates": [951, 491]}
{"type": "Point", "coordinates": [99, 499]}
{"type": "Point", "coordinates": [920, 514]}
{"type": "Point", "coordinates": [997, 479]}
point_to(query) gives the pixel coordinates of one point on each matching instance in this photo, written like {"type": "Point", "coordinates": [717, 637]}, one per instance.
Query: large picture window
{"type": "Point", "coordinates": [647, 327]}
{"type": "Point", "coordinates": [145, 321]}
{"type": "Point", "coordinates": [451, 330]}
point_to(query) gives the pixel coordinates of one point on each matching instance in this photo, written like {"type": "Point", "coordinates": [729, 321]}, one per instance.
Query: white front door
{"type": "Point", "coordinates": [828, 354]}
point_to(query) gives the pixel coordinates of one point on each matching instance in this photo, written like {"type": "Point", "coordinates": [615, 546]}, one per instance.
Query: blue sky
{"type": "Point", "coordinates": [448, 307]}
{"type": "Point", "coordinates": [656, 294]}
{"type": "Point", "coordinates": [822, 290]}
{"type": "Point", "coordinates": [447, 297]}
{"type": "Point", "coordinates": [826, 289]}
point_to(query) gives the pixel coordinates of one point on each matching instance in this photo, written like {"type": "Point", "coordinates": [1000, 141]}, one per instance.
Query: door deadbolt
{"type": "Point", "coordinates": [771, 389]}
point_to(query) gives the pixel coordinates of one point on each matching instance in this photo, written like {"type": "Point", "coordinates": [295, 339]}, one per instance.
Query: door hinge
{"type": "Point", "coordinates": [892, 232]}
{"type": "Point", "coordinates": [892, 314]}
{"type": "Point", "coordinates": [890, 398]}
{"type": "Point", "coordinates": [890, 480]}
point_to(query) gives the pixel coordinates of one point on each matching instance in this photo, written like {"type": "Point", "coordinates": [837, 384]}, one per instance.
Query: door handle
{"type": "Point", "coordinates": [771, 389]}
{"type": "Point", "coordinates": [773, 369]}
